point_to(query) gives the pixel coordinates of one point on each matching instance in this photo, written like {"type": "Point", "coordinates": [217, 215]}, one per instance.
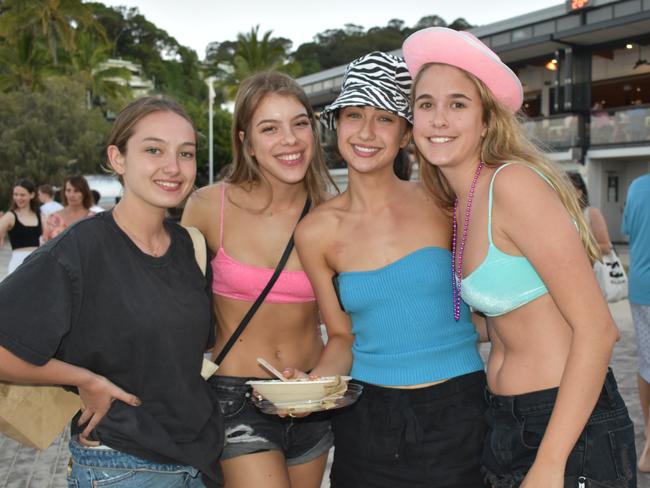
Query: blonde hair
{"type": "Point", "coordinates": [505, 141]}
{"type": "Point", "coordinates": [245, 170]}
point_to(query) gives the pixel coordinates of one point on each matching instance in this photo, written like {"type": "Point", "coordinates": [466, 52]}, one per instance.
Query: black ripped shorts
{"type": "Point", "coordinates": [248, 430]}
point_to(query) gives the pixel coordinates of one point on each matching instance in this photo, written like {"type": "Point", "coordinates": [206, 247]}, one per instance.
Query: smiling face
{"type": "Point", "coordinates": [158, 166]}
{"type": "Point", "coordinates": [280, 138]}
{"type": "Point", "coordinates": [448, 126]}
{"type": "Point", "coordinates": [369, 138]}
{"type": "Point", "coordinates": [22, 197]}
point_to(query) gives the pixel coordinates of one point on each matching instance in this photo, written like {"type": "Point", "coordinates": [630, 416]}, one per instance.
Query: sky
{"type": "Point", "coordinates": [195, 23]}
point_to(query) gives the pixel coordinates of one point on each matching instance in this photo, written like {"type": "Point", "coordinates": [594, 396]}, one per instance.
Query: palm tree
{"type": "Point", "coordinates": [56, 21]}
{"type": "Point", "coordinates": [253, 55]}
{"type": "Point", "coordinates": [23, 64]}
{"type": "Point", "coordinates": [99, 81]}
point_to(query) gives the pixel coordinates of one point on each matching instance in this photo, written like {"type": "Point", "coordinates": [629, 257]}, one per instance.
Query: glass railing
{"type": "Point", "coordinates": [618, 126]}
{"type": "Point", "coordinates": [557, 131]}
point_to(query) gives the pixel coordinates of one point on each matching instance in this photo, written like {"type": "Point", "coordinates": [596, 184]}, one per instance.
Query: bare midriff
{"type": "Point", "coordinates": [530, 346]}
{"type": "Point", "coordinates": [285, 334]}
{"type": "Point", "coordinates": [414, 387]}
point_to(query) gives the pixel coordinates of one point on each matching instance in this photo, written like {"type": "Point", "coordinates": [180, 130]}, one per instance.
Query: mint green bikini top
{"type": "Point", "coordinates": [502, 282]}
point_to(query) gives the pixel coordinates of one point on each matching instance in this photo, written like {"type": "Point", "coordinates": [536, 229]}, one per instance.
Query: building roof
{"type": "Point", "coordinates": [529, 36]}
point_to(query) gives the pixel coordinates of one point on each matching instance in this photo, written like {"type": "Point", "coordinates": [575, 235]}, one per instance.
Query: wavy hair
{"type": "Point", "coordinates": [245, 170]}
{"type": "Point", "coordinates": [506, 141]}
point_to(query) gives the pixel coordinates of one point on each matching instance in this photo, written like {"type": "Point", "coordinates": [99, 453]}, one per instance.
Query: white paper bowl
{"type": "Point", "coordinates": [299, 391]}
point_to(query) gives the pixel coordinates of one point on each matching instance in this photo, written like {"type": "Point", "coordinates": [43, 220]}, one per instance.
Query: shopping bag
{"type": "Point", "coordinates": [35, 415]}
{"type": "Point", "coordinates": [611, 277]}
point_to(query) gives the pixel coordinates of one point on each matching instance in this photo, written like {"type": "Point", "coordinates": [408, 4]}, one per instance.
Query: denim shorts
{"type": "Point", "coordinates": [603, 456]}
{"type": "Point", "coordinates": [420, 438]}
{"type": "Point", "coordinates": [248, 430]}
{"type": "Point", "coordinates": [96, 467]}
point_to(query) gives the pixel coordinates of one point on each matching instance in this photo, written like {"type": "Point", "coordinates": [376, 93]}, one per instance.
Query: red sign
{"type": "Point", "coordinates": [577, 4]}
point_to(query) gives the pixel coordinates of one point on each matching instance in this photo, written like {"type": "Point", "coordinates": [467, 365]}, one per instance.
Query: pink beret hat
{"type": "Point", "coordinates": [465, 51]}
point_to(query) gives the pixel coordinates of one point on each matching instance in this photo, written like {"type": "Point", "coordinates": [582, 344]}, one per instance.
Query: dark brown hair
{"type": "Point", "coordinates": [31, 188]}
{"type": "Point", "coordinates": [79, 183]}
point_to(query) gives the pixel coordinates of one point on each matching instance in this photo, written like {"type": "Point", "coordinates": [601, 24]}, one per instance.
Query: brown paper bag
{"type": "Point", "coordinates": [35, 415]}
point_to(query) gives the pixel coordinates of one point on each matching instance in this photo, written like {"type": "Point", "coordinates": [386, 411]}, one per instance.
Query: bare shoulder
{"type": "Point", "coordinates": [207, 195]}
{"type": "Point", "coordinates": [201, 206]}
{"type": "Point", "coordinates": [8, 220]}
{"type": "Point", "coordinates": [519, 184]}
{"type": "Point", "coordinates": [320, 222]}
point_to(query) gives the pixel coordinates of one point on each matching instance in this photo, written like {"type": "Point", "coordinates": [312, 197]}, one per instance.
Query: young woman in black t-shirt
{"type": "Point", "coordinates": [119, 308]}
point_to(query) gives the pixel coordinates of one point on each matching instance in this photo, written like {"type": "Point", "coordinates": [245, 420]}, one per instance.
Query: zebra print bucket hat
{"type": "Point", "coordinates": [378, 80]}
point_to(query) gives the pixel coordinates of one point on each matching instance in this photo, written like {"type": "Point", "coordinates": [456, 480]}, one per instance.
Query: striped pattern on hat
{"type": "Point", "coordinates": [378, 80]}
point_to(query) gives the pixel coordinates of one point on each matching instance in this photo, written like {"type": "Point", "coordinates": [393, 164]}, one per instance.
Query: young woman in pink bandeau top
{"type": "Point", "coordinates": [247, 220]}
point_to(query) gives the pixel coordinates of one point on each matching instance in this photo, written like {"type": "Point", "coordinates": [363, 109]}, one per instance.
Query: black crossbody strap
{"type": "Point", "coordinates": [249, 315]}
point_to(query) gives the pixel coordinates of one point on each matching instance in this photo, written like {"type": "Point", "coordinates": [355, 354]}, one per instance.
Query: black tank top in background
{"type": "Point", "coordinates": [25, 236]}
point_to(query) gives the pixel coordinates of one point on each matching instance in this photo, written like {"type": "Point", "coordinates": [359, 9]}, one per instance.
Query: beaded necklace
{"type": "Point", "coordinates": [457, 260]}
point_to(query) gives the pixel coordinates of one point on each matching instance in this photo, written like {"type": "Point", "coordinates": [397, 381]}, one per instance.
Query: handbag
{"type": "Point", "coordinates": [210, 367]}
{"type": "Point", "coordinates": [611, 277]}
{"type": "Point", "coordinates": [35, 415]}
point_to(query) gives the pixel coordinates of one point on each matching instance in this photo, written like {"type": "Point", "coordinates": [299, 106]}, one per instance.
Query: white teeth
{"type": "Point", "coordinates": [366, 149]}
{"type": "Point", "coordinates": [168, 184]}
{"type": "Point", "coordinates": [440, 140]}
{"type": "Point", "coordinates": [289, 157]}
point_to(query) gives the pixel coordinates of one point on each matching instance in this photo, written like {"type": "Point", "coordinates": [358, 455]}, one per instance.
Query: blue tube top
{"type": "Point", "coordinates": [403, 322]}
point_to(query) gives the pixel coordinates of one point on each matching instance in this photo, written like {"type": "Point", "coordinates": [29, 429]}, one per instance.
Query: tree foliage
{"type": "Point", "coordinates": [335, 47]}
{"type": "Point", "coordinates": [55, 81]}
{"type": "Point", "coordinates": [49, 134]}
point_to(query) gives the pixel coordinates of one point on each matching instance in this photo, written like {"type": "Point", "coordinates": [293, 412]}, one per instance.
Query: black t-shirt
{"type": "Point", "coordinates": [91, 298]}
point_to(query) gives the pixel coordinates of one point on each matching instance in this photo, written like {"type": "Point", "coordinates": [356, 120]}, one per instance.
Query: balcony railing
{"type": "Point", "coordinates": [556, 132]}
{"type": "Point", "coordinates": [620, 126]}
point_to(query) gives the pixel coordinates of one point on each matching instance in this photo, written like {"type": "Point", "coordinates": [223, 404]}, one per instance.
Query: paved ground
{"type": "Point", "coordinates": [21, 467]}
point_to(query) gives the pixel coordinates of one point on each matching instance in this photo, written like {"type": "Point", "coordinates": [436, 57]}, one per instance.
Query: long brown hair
{"type": "Point", "coordinates": [245, 169]}
{"type": "Point", "coordinates": [506, 141]}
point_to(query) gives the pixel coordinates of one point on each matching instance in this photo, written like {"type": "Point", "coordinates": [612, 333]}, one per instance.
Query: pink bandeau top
{"type": "Point", "coordinates": [240, 281]}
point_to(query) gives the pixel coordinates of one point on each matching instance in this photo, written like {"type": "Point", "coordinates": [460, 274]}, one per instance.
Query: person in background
{"type": "Point", "coordinates": [118, 307]}
{"type": "Point", "coordinates": [593, 216]}
{"type": "Point", "coordinates": [95, 208]}
{"type": "Point", "coordinates": [636, 224]}
{"type": "Point", "coordinates": [77, 200]}
{"type": "Point", "coordinates": [22, 223]}
{"type": "Point", "coordinates": [248, 218]}
{"type": "Point", "coordinates": [48, 204]}
{"type": "Point", "coordinates": [378, 256]}
{"type": "Point", "coordinates": [521, 250]}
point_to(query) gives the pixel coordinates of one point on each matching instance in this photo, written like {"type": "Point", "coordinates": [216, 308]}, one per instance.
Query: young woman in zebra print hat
{"type": "Point", "coordinates": [378, 257]}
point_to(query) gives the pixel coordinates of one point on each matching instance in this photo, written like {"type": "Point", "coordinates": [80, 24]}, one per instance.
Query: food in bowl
{"type": "Point", "coordinates": [301, 390]}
